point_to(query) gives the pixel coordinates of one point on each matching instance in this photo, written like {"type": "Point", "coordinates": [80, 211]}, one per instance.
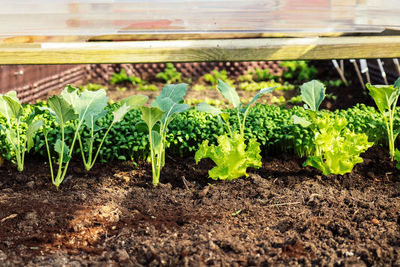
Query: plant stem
{"type": "Point", "coordinates": [48, 153]}
{"type": "Point", "coordinates": [101, 144]}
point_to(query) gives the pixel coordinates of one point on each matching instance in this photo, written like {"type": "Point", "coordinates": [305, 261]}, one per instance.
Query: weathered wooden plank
{"type": "Point", "coordinates": [202, 50]}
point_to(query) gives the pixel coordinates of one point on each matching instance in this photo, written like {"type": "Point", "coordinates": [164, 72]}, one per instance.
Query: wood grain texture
{"type": "Point", "coordinates": [201, 50]}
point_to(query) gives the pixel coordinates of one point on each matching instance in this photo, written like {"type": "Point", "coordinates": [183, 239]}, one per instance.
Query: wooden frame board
{"type": "Point", "coordinates": [197, 50]}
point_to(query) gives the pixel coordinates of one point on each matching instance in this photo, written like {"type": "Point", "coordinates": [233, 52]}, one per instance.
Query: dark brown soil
{"type": "Point", "coordinates": [282, 214]}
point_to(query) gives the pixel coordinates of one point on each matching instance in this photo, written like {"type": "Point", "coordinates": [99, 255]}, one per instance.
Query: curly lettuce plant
{"type": "Point", "coordinates": [386, 97]}
{"type": "Point", "coordinates": [19, 137]}
{"type": "Point", "coordinates": [232, 156]}
{"type": "Point", "coordinates": [336, 148]}
{"type": "Point", "coordinates": [156, 120]}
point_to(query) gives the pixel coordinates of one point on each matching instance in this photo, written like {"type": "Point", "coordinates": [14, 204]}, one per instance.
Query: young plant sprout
{"type": "Point", "coordinates": [21, 140]}
{"type": "Point", "coordinates": [336, 148]}
{"type": "Point", "coordinates": [156, 120]}
{"type": "Point", "coordinates": [232, 156]}
{"type": "Point", "coordinates": [386, 97]}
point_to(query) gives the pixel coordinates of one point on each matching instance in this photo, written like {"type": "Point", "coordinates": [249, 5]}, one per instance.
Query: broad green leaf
{"type": "Point", "coordinates": [62, 110]}
{"type": "Point", "coordinates": [120, 113]}
{"type": "Point", "coordinates": [301, 121]}
{"type": "Point", "coordinates": [170, 107]}
{"type": "Point", "coordinates": [90, 103]}
{"type": "Point", "coordinates": [229, 93]}
{"type": "Point", "coordinates": [225, 116]}
{"type": "Point", "coordinates": [156, 141]}
{"type": "Point", "coordinates": [151, 115]}
{"type": "Point", "coordinates": [397, 83]}
{"type": "Point", "coordinates": [134, 101]}
{"type": "Point", "coordinates": [382, 95]}
{"type": "Point", "coordinates": [10, 106]}
{"type": "Point", "coordinates": [12, 136]}
{"type": "Point", "coordinates": [90, 121]}
{"type": "Point", "coordinates": [70, 95]}
{"type": "Point", "coordinates": [313, 93]}
{"type": "Point", "coordinates": [257, 96]}
{"type": "Point", "coordinates": [30, 133]}
{"type": "Point", "coordinates": [175, 92]}
{"type": "Point", "coordinates": [205, 107]}
{"type": "Point", "coordinates": [58, 147]}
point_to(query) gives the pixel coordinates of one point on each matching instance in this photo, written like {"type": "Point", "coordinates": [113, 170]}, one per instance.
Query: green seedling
{"type": "Point", "coordinates": [336, 148]}
{"type": "Point", "coordinates": [386, 98]}
{"type": "Point", "coordinates": [20, 140]}
{"type": "Point", "coordinates": [232, 156]}
{"type": "Point", "coordinates": [156, 120]}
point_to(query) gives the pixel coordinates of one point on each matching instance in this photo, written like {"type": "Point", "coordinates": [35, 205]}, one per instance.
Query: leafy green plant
{"type": "Point", "coordinates": [336, 148]}
{"type": "Point", "coordinates": [126, 105]}
{"type": "Point", "coordinates": [232, 147]}
{"type": "Point", "coordinates": [297, 70]}
{"type": "Point", "coordinates": [157, 118]}
{"type": "Point", "coordinates": [147, 87]}
{"type": "Point", "coordinates": [92, 87]}
{"type": "Point", "coordinates": [386, 98]}
{"type": "Point", "coordinates": [123, 77]}
{"type": "Point", "coordinates": [76, 109]}
{"type": "Point", "coordinates": [232, 156]}
{"type": "Point", "coordinates": [19, 137]}
{"type": "Point", "coordinates": [213, 77]}
{"type": "Point", "coordinates": [170, 74]}
{"type": "Point", "coordinates": [256, 86]}
{"type": "Point", "coordinates": [260, 75]}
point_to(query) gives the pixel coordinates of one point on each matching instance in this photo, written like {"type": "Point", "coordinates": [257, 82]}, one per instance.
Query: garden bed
{"type": "Point", "coordinates": [282, 214]}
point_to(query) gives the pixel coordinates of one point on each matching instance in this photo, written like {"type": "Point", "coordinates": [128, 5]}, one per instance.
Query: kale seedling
{"type": "Point", "coordinates": [11, 109]}
{"type": "Point", "coordinates": [386, 98]}
{"type": "Point", "coordinates": [156, 120]}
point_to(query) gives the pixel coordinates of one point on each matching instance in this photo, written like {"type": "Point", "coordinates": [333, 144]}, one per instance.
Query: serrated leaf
{"type": "Point", "coordinates": [229, 93]}
{"type": "Point", "coordinates": [30, 133]}
{"type": "Point", "coordinates": [205, 107]}
{"type": "Point", "coordinates": [63, 111]}
{"type": "Point", "coordinates": [313, 93]}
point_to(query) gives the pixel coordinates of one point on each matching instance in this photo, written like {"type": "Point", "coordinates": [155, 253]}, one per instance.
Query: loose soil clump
{"type": "Point", "coordinates": [282, 214]}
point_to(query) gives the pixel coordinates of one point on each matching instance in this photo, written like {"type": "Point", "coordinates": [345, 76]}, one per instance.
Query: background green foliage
{"type": "Point", "coordinates": [272, 126]}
